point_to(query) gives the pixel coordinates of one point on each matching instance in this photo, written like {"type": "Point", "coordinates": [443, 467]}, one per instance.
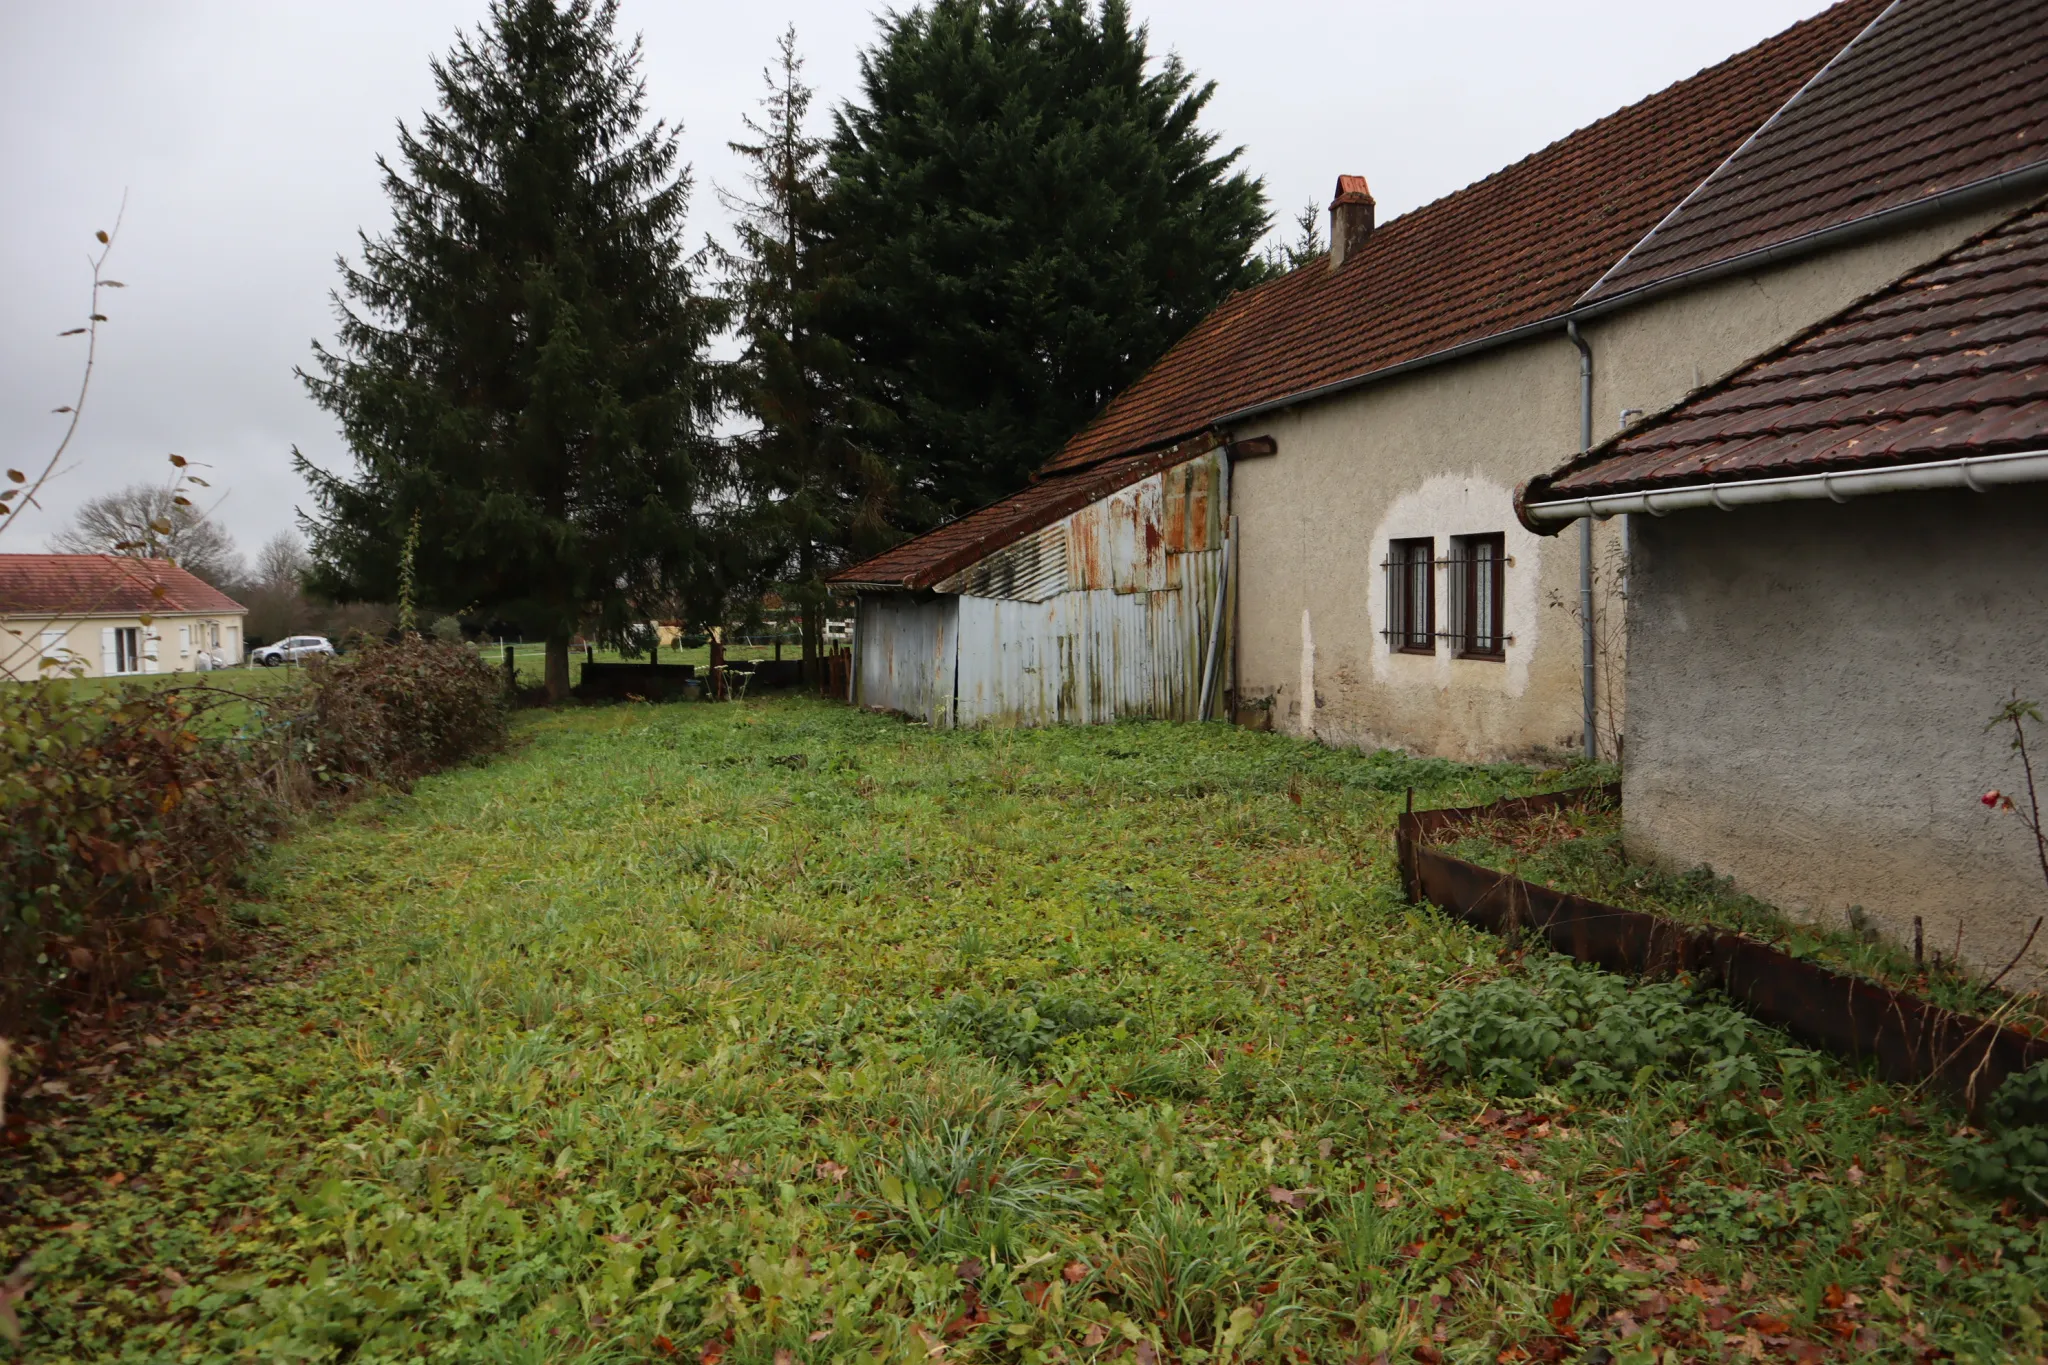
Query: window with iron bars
{"type": "Point", "coordinates": [1477, 583]}
{"type": "Point", "coordinates": [1411, 596]}
{"type": "Point", "coordinates": [1475, 574]}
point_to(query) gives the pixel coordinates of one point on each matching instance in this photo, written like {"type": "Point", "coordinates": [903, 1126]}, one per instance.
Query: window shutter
{"type": "Point", "coordinates": [106, 651]}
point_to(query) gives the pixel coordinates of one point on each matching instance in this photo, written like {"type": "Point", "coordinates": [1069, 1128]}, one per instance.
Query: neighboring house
{"type": "Point", "coordinates": [1384, 593]}
{"type": "Point", "coordinates": [101, 615]}
{"type": "Point", "coordinates": [1839, 572]}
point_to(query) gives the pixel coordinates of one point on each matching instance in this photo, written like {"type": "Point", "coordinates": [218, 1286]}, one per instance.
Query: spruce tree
{"type": "Point", "coordinates": [812, 495]}
{"type": "Point", "coordinates": [521, 360]}
{"type": "Point", "coordinates": [1028, 215]}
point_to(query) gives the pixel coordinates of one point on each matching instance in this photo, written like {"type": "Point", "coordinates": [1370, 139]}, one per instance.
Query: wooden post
{"type": "Point", "coordinates": [717, 663]}
{"type": "Point", "coordinates": [511, 671]}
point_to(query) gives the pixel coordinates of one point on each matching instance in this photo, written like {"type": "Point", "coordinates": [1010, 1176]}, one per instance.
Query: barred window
{"type": "Point", "coordinates": [1411, 596]}
{"type": "Point", "coordinates": [1478, 577]}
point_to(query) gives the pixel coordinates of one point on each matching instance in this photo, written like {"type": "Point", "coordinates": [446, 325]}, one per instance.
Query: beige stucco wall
{"type": "Point", "coordinates": [1438, 452]}
{"type": "Point", "coordinates": [170, 643]}
{"type": "Point", "coordinates": [1808, 697]}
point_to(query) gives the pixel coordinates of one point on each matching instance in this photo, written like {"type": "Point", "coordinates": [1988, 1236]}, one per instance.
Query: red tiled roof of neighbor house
{"type": "Point", "coordinates": [939, 554]}
{"type": "Point", "coordinates": [1951, 361]}
{"type": "Point", "coordinates": [1936, 95]}
{"type": "Point", "coordinates": [103, 585]}
{"type": "Point", "coordinates": [1518, 247]}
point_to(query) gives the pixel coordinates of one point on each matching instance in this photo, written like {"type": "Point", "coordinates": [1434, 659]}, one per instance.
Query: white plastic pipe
{"type": "Point", "coordinates": [1978, 473]}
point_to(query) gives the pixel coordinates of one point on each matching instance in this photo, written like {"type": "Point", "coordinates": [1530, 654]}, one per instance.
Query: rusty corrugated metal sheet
{"type": "Point", "coordinates": [1032, 570]}
{"type": "Point", "coordinates": [1101, 616]}
{"type": "Point", "coordinates": [937, 555]}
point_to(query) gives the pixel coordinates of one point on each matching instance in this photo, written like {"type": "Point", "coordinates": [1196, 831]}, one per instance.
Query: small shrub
{"type": "Point", "coordinates": [2013, 1158]}
{"type": "Point", "coordinates": [1587, 1032]}
{"type": "Point", "coordinates": [392, 711]}
{"type": "Point", "coordinates": [115, 820]}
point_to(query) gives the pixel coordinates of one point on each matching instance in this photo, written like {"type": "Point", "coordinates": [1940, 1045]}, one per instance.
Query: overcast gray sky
{"type": "Point", "coordinates": [244, 135]}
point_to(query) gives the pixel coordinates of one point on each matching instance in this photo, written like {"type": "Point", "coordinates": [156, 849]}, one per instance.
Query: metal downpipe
{"type": "Point", "coordinates": [1591, 737]}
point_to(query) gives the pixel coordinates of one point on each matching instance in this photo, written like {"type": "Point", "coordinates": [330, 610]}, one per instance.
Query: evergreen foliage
{"type": "Point", "coordinates": [811, 496]}
{"type": "Point", "coordinates": [520, 361]}
{"type": "Point", "coordinates": [1028, 215]}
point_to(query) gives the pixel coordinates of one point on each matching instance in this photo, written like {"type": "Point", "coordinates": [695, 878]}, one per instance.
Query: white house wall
{"type": "Point", "coordinates": [1438, 452]}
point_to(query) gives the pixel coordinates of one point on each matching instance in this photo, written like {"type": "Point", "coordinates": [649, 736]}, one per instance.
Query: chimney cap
{"type": "Point", "coordinates": [1351, 189]}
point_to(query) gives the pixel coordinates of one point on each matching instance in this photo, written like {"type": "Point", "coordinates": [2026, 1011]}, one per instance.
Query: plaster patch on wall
{"type": "Point", "coordinates": [1443, 506]}
{"type": "Point", "coordinates": [1308, 676]}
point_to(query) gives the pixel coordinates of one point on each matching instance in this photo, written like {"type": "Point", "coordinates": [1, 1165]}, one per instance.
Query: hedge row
{"type": "Point", "coordinates": [125, 814]}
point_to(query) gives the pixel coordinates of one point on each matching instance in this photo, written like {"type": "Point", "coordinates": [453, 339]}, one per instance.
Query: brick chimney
{"type": "Point", "coordinates": [1350, 218]}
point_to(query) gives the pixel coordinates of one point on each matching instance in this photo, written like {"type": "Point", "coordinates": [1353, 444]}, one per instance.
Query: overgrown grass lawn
{"type": "Point", "coordinates": [772, 1032]}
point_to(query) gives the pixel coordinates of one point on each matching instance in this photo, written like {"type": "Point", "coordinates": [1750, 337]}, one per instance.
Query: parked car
{"type": "Point", "coordinates": [291, 650]}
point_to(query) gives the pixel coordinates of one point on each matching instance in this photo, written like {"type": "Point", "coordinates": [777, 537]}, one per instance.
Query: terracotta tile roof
{"type": "Point", "coordinates": [937, 555]}
{"type": "Point", "coordinates": [1936, 95]}
{"type": "Point", "coordinates": [103, 585]}
{"type": "Point", "coordinates": [1951, 361]}
{"type": "Point", "coordinates": [1517, 247]}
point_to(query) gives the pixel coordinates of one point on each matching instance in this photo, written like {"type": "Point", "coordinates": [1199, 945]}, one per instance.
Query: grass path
{"type": "Point", "coordinates": [773, 1032]}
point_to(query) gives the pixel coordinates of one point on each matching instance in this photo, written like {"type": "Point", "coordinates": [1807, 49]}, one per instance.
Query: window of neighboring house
{"type": "Point", "coordinates": [1478, 582]}
{"type": "Point", "coordinates": [184, 642]}
{"type": "Point", "coordinates": [127, 649]}
{"type": "Point", "coordinates": [1411, 596]}
{"type": "Point", "coordinates": [54, 650]}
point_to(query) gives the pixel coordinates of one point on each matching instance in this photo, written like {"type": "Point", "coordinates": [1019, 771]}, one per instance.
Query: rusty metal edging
{"type": "Point", "coordinates": [1910, 1040]}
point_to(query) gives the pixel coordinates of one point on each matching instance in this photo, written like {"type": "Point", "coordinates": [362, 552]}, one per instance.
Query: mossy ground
{"type": "Point", "coordinates": [774, 1032]}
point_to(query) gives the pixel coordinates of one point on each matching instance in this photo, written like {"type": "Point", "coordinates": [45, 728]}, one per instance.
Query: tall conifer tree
{"type": "Point", "coordinates": [520, 361]}
{"type": "Point", "coordinates": [812, 494]}
{"type": "Point", "coordinates": [1029, 215]}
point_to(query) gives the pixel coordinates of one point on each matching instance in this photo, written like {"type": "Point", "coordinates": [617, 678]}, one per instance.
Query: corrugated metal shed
{"type": "Point", "coordinates": [1105, 614]}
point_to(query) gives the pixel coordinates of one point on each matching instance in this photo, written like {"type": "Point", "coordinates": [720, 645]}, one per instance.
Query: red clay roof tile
{"type": "Point", "coordinates": [1951, 361]}
{"type": "Point", "coordinates": [1516, 248]}
{"type": "Point", "coordinates": [103, 585]}
{"type": "Point", "coordinates": [1934, 96]}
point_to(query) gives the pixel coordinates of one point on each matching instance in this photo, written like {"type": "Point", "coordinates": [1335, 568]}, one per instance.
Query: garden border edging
{"type": "Point", "coordinates": [1911, 1040]}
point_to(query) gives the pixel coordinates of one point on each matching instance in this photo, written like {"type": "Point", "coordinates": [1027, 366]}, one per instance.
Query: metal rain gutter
{"type": "Point", "coordinates": [1588, 716]}
{"type": "Point", "coordinates": [1978, 473]}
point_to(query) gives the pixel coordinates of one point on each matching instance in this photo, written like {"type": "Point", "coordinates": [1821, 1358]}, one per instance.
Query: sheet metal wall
{"type": "Point", "coordinates": [904, 654]}
{"type": "Point", "coordinates": [1118, 630]}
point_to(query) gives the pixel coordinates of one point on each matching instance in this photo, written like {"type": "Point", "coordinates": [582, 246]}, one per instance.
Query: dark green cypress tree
{"type": "Point", "coordinates": [812, 496]}
{"type": "Point", "coordinates": [1028, 215]}
{"type": "Point", "coordinates": [521, 360]}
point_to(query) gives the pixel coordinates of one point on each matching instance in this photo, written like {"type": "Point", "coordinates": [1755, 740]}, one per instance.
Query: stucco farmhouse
{"type": "Point", "coordinates": [102, 615]}
{"type": "Point", "coordinates": [1303, 515]}
{"type": "Point", "coordinates": [1838, 571]}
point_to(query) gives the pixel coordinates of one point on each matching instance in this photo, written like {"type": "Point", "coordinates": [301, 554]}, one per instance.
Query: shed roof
{"type": "Point", "coordinates": [1951, 361]}
{"type": "Point", "coordinates": [1933, 96]}
{"type": "Point", "coordinates": [937, 555]}
{"type": "Point", "coordinates": [1516, 248]}
{"type": "Point", "coordinates": [104, 585]}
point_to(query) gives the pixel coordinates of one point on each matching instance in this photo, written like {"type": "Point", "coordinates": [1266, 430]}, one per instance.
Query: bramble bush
{"type": "Point", "coordinates": [115, 821]}
{"type": "Point", "coordinates": [394, 711]}
{"type": "Point", "coordinates": [122, 819]}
